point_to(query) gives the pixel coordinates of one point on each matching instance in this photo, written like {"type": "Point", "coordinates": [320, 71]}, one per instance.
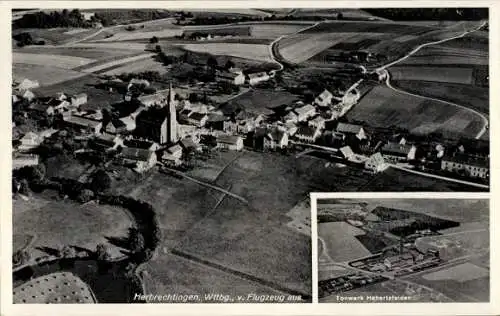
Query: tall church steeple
{"type": "Point", "coordinates": [172, 115]}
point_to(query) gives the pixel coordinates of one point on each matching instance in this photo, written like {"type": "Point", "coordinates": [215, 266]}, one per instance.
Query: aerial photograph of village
{"type": "Point", "coordinates": [168, 155]}
{"type": "Point", "coordinates": [403, 250]}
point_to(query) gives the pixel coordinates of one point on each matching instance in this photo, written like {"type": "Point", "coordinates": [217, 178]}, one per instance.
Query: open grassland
{"type": "Point", "coordinates": [54, 288]}
{"type": "Point", "coordinates": [274, 30]}
{"type": "Point", "coordinates": [140, 35]}
{"type": "Point", "coordinates": [393, 180]}
{"type": "Point", "coordinates": [57, 61]}
{"type": "Point", "coordinates": [173, 274]}
{"type": "Point", "coordinates": [59, 223]}
{"type": "Point", "coordinates": [341, 242]}
{"type": "Point", "coordinates": [233, 235]}
{"type": "Point", "coordinates": [248, 51]}
{"type": "Point", "coordinates": [45, 75]}
{"type": "Point", "coordinates": [384, 107]}
{"type": "Point", "coordinates": [87, 51]}
{"type": "Point", "coordinates": [146, 64]}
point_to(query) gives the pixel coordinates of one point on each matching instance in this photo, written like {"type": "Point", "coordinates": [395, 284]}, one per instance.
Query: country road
{"type": "Point", "coordinates": [418, 48]}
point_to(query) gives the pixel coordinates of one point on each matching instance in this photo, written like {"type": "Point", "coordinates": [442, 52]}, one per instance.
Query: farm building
{"type": "Point", "coordinates": [197, 119]}
{"type": "Point", "coordinates": [318, 122]}
{"type": "Point", "coordinates": [473, 167]}
{"type": "Point", "coordinates": [173, 155]}
{"type": "Point", "coordinates": [305, 112]}
{"type": "Point", "coordinates": [107, 142]}
{"type": "Point", "coordinates": [275, 138]}
{"type": "Point", "coordinates": [230, 77]}
{"type": "Point", "coordinates": [27, 84]}
{"type": "Point", "coordinates": [376, 163]}
{"type": "Point", "coordinates": [129, 123]}
{"type": "Point", "coordinates": [257, 78]}
{"type": "Point", "coordinates": [346, 152]}
{"type": "Point", "coordinates": [351, 129]}
{"type": "Point", "coordinates": [142, 158]}
{"type": "Point", "coordinates": [396, 152]}
{"type": "Point", "coordinates": [324, 99]}
{"type": "Point", "coordinates": [30, 141]}
{"type": "Point", "coordinates": [15, 98]}
{"type": "Point", "coordinates": [46, 133]}
{"type": "Point", "coordinates": [20, 161]}
{"type": "Point", "coordinates": [115, 126]}
{"type": "Point", "coordinates": [307, 134]}
{"type": "Point", "coordinates": [79, 99]}
{"type": "Point", "coordinates": [82, 123]}
{"type": "Point", "coordinates": [230, 142]}
{"type": "Point", "coordinates": [61, 96]}
{"type": "Point", "coordinates": [190, 143]}
{"type": "Point", "coordinates": [141, 144]}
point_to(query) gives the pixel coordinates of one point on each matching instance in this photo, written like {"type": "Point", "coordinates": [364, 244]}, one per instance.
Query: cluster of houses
{"type": "Point", "coordinates": [236, 77]}
{"type": "Point", "coordinates": [163, 128]}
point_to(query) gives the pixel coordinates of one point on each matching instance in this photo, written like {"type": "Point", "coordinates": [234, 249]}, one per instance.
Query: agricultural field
{"type": "Point", "coordinates": [60, 287]}
{"type": "Point", "coordinates": [259, 101]}
{"type": "Point", "coordinates": [141, 65]}
{"type": "Point", "coordinates": [247, 51]}
{"type": "Point", "coordinates": [45, 75]}
{"type": "Point", "coordinates": [462, 282]}
{"type": "Point", "coordinates": [384, 107]}
{"type": "Point", "coordinates": [460, 210]}
{"type": "Point", "coordinates": [67, 223]}
{"type": "Point", "coordinates": [56, 61]}
{"type": "Point", "coordinates": [341, 242]}
{"type": "Point", "coordinates": [58, 36]}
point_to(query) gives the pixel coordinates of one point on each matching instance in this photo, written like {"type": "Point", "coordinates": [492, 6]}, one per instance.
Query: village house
{"type": "Point", "coordinates": [160, 98]}
{"type": "Point", "coordinates": [24, 160]}
{"type": "Point", "coordinates": [229, 142]}
{"type": "Point", "coordinates": [324, 99]}
{"type": "Point", "coordinates": [318, 122]}
{"type": "Point", "coordinates": [346, 152]}
{"type": "Point", "coordinates": [78, 100]}
{"type": "Point", "coordinates": [291, 117]}
{"type": "Point", "coordinates": [173, 155]}
{"type": "Point", "coordinates": [257, 78]}
{"type": "Point", "coordinates": [106, 142]}
{"type": "Point", "coordinates": [42, 108]}
{"type": "Point", "coordinates": [28, 95]}
{"type": "Point", "coordinates": [305, 112]}
{"type": "Point", "coordinates": [129, 122]}
{"type": "Point", "coordinates": [351, 129]}
{"type": "Point", "coordinates": [61, 96]}
{"type": "Point", "coordinates": [15, 98]}
{"type": "Point", "coordinates": [143, 159]}
{"type": "Point", "coordinates": [307, 134]}
{"type": "Point", "coordinates": [474, 167]}
{"type": "Point", "coordinates": [395, 152]}
{"type": "Point", "coordinates": [275, 139]}
{"type": "Point", "coordinates": [376, 163]}
{"type": "Point", "coordinates": [46, 133]}
{"type": "Point", "coordinates": [190, 144]}
{"type": "Point", "coordinates": [27, 84]}
{"type": "Point", "coordinates": [197, 119]}
{"type": "Point", "coordinates": [115, 126]}
{"type": "Point", "coordinates": [29, 141]}
{"type": "Point", "coordinates": [84, 124]}
{"type": "Point", "coordinates": [234, 78]}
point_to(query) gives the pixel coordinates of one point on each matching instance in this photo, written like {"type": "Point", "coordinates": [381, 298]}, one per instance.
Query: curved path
{"type": "Point", "coordinates": [388, 78]}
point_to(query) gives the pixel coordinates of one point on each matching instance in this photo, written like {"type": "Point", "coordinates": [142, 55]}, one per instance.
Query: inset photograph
{"type": "Point", "coordinates": [403, 250]}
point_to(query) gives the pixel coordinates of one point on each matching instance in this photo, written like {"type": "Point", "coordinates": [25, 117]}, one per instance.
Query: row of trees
{"type": "Point", "coordinates": [419, 14]}
{"type": "Point", "coordinates": [64, 18]}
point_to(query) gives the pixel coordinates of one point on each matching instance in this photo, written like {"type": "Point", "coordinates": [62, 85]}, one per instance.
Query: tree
{"type": "Point", "coordinates": [24, 187]}
{"type": "Point", "coordinates": [101, 181]}
{"type": "Point", "coordinates": [20, 257]}
{"type": "Point", "coordinates": [136, 240]}
{"type": "Point", "coordinates": [229, 64]}
{"type": "Point", "coordinates": [102, 253]}
{"type": "Point", "coordinates": [68, 252]}
{"type": "Point", "coordinates": [85, 196]}
{"type": "Point", "coordinates": [153, 40]}
{"type": "Point", "coordinates": [38, 172]}
{"type": "Point", "coordinates": [193, 97]}
{"type": "Point", "coordinates": [212, 63]}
